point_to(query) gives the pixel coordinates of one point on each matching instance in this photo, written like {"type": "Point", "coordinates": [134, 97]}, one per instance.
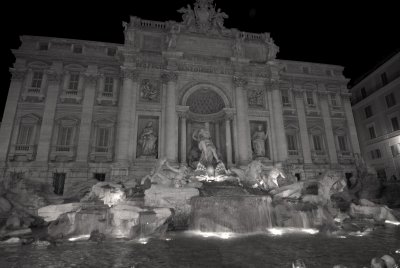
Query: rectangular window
{"type": "Point", "coordinates": [285, 97]}
{"type": "Point", "coordinates": [372, 133]}
{"type": "Point", "coordinates": [43, 46]}
{"type": "Point", "coordinates": [102, 138]}
{"type": "Point", "coordinates": [395, 149]}
{"type": "Point", "coordinates": [108, 84]}
{"type": "Point", "coordinates": [306, 70]}
{"type": "Point", "coordinates": [37, 79]}
{"type": "Point", "coordinates": [390, 100]}
{"type": "Point", "coordinates": [363, 93]}
{"type": "Point", "coordinates": [384, 78]}
{"type": "Point", "coordinates": [24, 135]}
{"type": "Point", "coordinates": [376, 154]}
{"type": "Point", "coordinates": [317, 142]}
{"type": "Point", "coordinates": [73, 81]}
{"type": "Point", "coordinates": [77, 49]}
{"type": "Point", "coordinates": [342, 143]}
{"type": "Point", "coordinates": [368, 111]}
{"type": "Point", "coordinates": [310, 98]}
{"type": "Point", "coordinates": [334, 99]}
{"type": "Point", "coordinates": [65, 136]}
{"type": "Point", "coordinates": [395, 123]}
{"type": "Point", "coordinates": [111, 51]}
{"type": "Point", "coordinates": [292, 144]}
{"type": "Point", "coordinates": [100, 176]}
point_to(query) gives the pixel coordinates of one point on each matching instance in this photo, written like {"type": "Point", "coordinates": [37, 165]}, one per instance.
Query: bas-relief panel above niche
{"type": "Point", "coordinates": [256, 98]}
{"type": "Point", "coordinates": [150, 91]}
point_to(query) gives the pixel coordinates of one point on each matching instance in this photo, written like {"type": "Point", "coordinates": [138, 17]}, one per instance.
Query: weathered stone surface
{"type": "Point", "coordinates": [5, 206]}
{"type": "Point", "coordinates": [175, 198]}
{"type": "Point", "coordinates": [19, 232]}
{"type": "Point", "coordinates": [12, 240]}
{"type": "Point", "coordinates": [52, 212]}
{"type": "Point", "coordinates": [378, 213]}
{"type": "Point", "coordinates": [109, 193]}
{"type": "Point", "coordinates": [13, 221]}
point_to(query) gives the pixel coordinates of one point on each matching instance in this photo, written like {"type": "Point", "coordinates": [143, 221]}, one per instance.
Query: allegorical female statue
{"type": "Point", "coordinates": [148, 141]}
{"type": "Point", "coordinates": [258, 141]}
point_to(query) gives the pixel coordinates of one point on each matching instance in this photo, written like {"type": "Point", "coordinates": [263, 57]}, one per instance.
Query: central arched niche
{"type": "Point", "coordinates": [205, 101]}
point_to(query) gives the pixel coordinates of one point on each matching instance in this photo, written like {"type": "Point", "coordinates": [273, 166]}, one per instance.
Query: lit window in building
{"type": "Point", "coordinates": [73, 81]}
{"type": "Point", "coordinates": [390, 100]}
{"type": "Point", "coordinates": [372, 133]}
{"type": "Point", "coordinates": [395, 149]}
{"type": "Point", "coordinates": [37, 79]}
{"type": "Point", "coordinates": [368, 111]}
{"type": "Point", "coordinates": [395, 123]}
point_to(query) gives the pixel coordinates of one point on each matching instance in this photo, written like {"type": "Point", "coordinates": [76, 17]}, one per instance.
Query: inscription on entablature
{"type": "Point", "coordinates": [205, 69]}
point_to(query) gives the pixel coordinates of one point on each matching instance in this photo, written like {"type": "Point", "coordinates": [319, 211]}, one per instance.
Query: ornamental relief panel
{"type": "Point", "coordinates": [256, 98]}
{"type": "Point", "coordinates": [150, 91]}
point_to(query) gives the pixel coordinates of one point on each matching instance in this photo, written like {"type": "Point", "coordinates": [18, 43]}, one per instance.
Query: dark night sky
{"type": "Point", "coordinates": [356, 36]}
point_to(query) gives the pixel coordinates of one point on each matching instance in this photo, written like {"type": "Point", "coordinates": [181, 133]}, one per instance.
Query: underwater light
{"type": "Point", "coordinates": [392, 222]}
{"type": "Point", "coordinates": [281, 231]}
{"type": "Point", "coordinates": [143, 240]}
{"type": "Point", "coordinates": [397, 251]}
{"type": "Point", "coordinates": [222, 235]}
{"type": "Point", "coordinates": [276, 231]}
{"type": "Point", "coordinates": [168, 239]}
{"type": "Point", "coordinates": [79, 237]}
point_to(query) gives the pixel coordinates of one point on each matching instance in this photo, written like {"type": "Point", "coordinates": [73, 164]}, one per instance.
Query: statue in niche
{"type": "Point", "coordinates": [187, 15]}
{"type": "Point", "coordinates": [148, 141]}
{"type": "Point", "coordinates": [258, 141]}
{"type": "Point", "coordinates": [238, 46]}
{"type": "Point", "coordinates": [206, 146]}
{"type": "Point", "coordinates": [148, 91]}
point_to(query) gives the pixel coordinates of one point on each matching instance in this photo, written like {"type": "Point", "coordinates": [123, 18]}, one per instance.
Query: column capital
{"type": "Point", "coordinates": [129, 73]}
{"type": "Point", "coordinates": [298, 92]}
{"type": "Point", "coordinates": [17, 74]}
{"type": "Point", "coordinates": [239, 81]}
{"type": "Point", "coordinates": [169, 76]}
{"type": "Point", "coordinates": [322, 94]}
{"type": "Point", "coordinates": [346, 95]}
{"type": "Point", "coordinates": [53, 76]}
{"type": "Point", "coordinates": [91, 78]}
{"type": "Point", "coordinates": [228, 113]}
{"type": "Point", "coordinates": [272, 85]}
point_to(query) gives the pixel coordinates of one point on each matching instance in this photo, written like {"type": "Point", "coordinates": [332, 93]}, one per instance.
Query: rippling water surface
{"type": "Point", "coordinates": [187, 250]}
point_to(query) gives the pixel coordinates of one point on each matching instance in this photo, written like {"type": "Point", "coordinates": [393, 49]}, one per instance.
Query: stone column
{"type": "Point", "coordinates": [350, 123]}
{"type": "Point", "coordinates": [280, 135]}
{"type": "Point", "coordinates": [7, 124]}
{"type": "Point", "coordinates": [228, 140]}
{"type": "Point", "coordinates": [243, 126]}
{"type": "Point", "coordinates": [126, 107]}
{"type": "Point", "coordinates": [323, 99]}
{"type": "Point", "coordinates": [301, 114]}
{"type": "Point", "coordinates": [182, 117]}
{"type": "Point", "coordinates": [86, 117]}
{"type": "Point", "coordinates": [171, 137]}
{"type": "Point", "coordinates": [46, 129]}
{"type": "Point", "coordinates": [217, 138]}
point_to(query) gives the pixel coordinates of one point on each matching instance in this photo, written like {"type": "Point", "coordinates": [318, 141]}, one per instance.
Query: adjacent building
{"type": "Point", "coordinates": [81, 110]}
{"type": "Point", "coordinates": [376, 109]}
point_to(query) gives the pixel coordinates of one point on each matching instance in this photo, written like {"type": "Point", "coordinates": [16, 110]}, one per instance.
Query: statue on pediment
{"type": "Point", "coordinates": [188, 16]}
{"type": "Point", "coordinates": [218, 19]}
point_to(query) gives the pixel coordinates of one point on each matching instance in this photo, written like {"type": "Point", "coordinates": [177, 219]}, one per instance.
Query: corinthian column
{"type": "Point", "coordinates": [243, 126]}
{"type": "Point", "coordinates": [228, 139]}
{"type": "Point", "coordinates": [183, 116]}
{"type": "Point", "coordinates": [323, 98]}
{"type": "Point", "coordinates": [350, 123]}
{"type": "Point", "coordinates": [279, 131]}
{"type": "Point", "coordinates": [46, 129]}
{"type": "Point", "coordinates": [171, 126]}
{"type": "Point", "coordinates": [127, 105]}
{"type": "Point", "coordinates": [10, 110]}
{"type": "Point", "coordinates": [301, 114]}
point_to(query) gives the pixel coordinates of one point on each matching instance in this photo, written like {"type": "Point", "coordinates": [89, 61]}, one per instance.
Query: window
{"type": "Point", "coordinates": [328, 72]}
{"type": "Point", "coordinates": [363, 93]}
{"type": "Point", "coordinates": [292, 143]}
{"type": "Point", "coordinates": [37, 79]}
{"type": "Point", "coordinates": [102, 138]}
{"type": "Point", "coordinates": [334, 99]}
{"type": "Point", "coordinates": [342, 143]}
{"type": "Point", "coordinates": [305, 70]}
{"type": "Point", "coordinates": [384, 78]}
{"type": "Point", "coordinates": [43, 46]}
{"type": "Point", "coordinates": [310, 98]}
{"type": "Point", "coordinates": [390, 100]}
{"type": "Point", "coordinates": [395, 149]}
{"type": "Point", "coordinates": [73, 81]}
{"type": "Point", "coordinates": [381, 173]}
{"type": "Point", "coordinates": [78, 49]}
{"type": "Point", "coordinates": [395, 123]}
{"type": "Point", "coordinates": [24, 135]}
{"type": "Point", "coordinates": [372, 133]}
{"type": "Point", "coordinates": [65, 136]}
{"type": "Point", "coordinates": [100, 176]}
{"type": "Point", "coordinates": [368, 111]}
{"type": "Point", "coordinates": [108, 84]}
{"type": "Point", "coordinates": [376, 154]}
{"type": "Point", "coordinates": [111, 51]}
{"type": "Point", "coordinates": [285, 97]}
{"type": "Point", "coordinates": [317, 143]}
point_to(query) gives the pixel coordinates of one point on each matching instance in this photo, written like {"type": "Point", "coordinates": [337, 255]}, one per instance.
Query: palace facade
{"type": "Point", "coordinates": [82, 110]}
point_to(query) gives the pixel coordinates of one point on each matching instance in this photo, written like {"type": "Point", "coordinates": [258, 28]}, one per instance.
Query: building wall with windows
{"type": "Point", "coordinates": [80, 110]}
{"type": "Point", "coordinates": [376, 109]}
